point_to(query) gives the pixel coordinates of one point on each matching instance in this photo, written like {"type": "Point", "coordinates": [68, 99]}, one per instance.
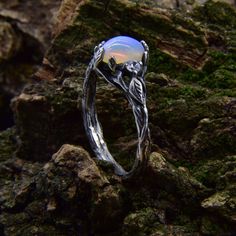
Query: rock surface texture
{"type": "Point", "coordinates": [25, 34]}
{"type": "Point", "coordinates": [50, 182]}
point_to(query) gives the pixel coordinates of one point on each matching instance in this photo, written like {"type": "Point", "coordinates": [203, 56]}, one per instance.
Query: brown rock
{"type": "Point", "coordinates": [81, 179]}
{"type": "Point", "coordinates": [35, 19]}
{"type": "Point", "coordinates": [10, 41]}
{"type": "Point", "coordinates": [79, 160]}
{"type": "Point", "coordinates": [49, 115]}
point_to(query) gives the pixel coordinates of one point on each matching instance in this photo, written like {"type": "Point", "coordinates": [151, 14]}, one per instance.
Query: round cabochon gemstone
{"type": "Point", "coordinates": [123, 49]}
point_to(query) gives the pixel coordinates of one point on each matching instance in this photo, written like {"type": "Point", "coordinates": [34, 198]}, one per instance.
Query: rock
{"type": "Point", "coordinates": [210, 225]}
{"type": "Point", "coordinates": [10, 41]}
{"type": "Point", "coordinates": [183, 117]}
{"type": "Point", "coordinates": [67, 14]}
{"type": "Point", "coordinates": [16, 183]}
{"type": "Point", "coordinates": [180, 106]}
{"type": "Point", "coordinates": [69, 40]}
{"type": "Point", "coordinates": [176, 181]}
{"type": "Point", "coordinates": [70, 183]}
{"type": "Point", "coordinates": [25, 34]}
{"type": "Point", "coordinates": [226, 174]}
{"type": "Point", "coordinates": [217, 174]}
{"type": "Point", "coordinates": [74, 178]}
{"type": "Point", "coordinates": [47, 107]}
{"type": "Point", "coordinates": [209, 136]}
{"type": "Point", "coordinates": [222, 203]}
{"type": "Point", "coordinates": [191, 106]}
{"type": "Point", "coordinates": [145, 222]}
{"type": "Point", "coordinates": [36, 20]}
{"type": "Point", "coordinates": [179, 4]}
{"type": "Point", "coordinates": [141, 223]}
{"type": "Point", "coordinates": [160, 79]}
{"type": "Point", "coordinates": [86, 169]}
{"type": "Point", "coordinates": [6, 118]}
{"type": "Point", "coordinates": [7, 144]}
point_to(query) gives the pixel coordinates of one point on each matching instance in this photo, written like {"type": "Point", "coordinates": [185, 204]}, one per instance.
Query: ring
{"type": "Point", "coordinates": [112, 60]}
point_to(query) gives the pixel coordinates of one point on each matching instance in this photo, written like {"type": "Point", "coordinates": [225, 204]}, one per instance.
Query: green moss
{"type": "Point", "coordinates": [186, 221]}
{"type": "Point", "coordinates": [226, 92]}
{"type": "Point", "coordinates": [218, 72]}
{"type": "Point", "coordinates": [215, 139]}
{"type": "Point", "coordinates": [179, 115]}
{"type": "Point", "coordinates": [216, 60]}
{"type": "Point", "coordinates": [164, 63]}
{"type": "Point", "coordinates": [7, 144]}
{"type": "Point", "coordinates": [141, 223]}
{"type": "Point", "coordinates": [207, 172]}
{"type": "Point", "coordinates": [188, 23]}
{"type": "Point", "coordinates": [63, 101]}
{"type": "Point", "coordinates": [42, 229]}
{"type": "Point", "coordinates": [95, 23]}
{"type": "Point", "coordinates": [216, 14]}
{"type": "Point", "coordinates": [215, 174]}
{"type": "Point", "coordinates": [69, 37]}
{"type": "Point", "coordinates": [221, 78]}
{"type": "Point", "coordinates": [193, 92]}
{"type": "Point", "coordinates": [191, 75]}
{"type": "Point", "coordinates": [211, 226]}
{"type": "Point", "coordinates": [168, 95]}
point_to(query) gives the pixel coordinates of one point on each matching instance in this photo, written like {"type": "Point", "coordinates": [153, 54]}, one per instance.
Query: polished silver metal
{"type": "Point", "coordinates": [135, 92]}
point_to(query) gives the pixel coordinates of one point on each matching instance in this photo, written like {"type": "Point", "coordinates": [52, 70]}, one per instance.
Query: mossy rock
{"type": "Point", "coordinates": [97, 21]}
{"type": "Point", "coordinates": [216, 14]}
{"type": "Point", "coordinates": [215, 173]}
{"type": "Point", "coordinates": [7, 144]}
{"type": "Point", "coordinates": [44, 116]}
{"type": "Point", "coordinates": [146, 222]}
{"type": "Point", "coordinates": [141, 223]}
{"type": "Point", "coordinates": [210, 225]}
{"type": "Point", "coordinates": [222, 203]}
{"type": "Point", "coordinates": [191, 108]}
{"type": "Point", "coordinates": [214, 138]}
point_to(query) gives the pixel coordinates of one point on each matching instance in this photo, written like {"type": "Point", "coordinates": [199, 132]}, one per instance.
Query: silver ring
{"type": "Point", "coordinates": [112, 60]}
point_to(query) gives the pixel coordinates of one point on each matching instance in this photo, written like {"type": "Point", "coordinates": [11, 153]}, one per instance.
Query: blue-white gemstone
{"type": "Point", "coordinates": [123, 49]}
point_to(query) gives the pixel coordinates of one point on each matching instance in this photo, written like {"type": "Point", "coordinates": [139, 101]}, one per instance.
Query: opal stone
{"type": "Point", "coordinates": [123, 49]}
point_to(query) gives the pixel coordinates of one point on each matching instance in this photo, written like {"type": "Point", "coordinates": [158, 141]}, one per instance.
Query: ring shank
{"type": "Point", "coordinates": [95, 134]}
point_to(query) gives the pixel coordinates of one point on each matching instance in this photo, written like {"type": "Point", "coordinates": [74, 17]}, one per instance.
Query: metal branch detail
{"type": "Point", "coordinates": [109, 63]}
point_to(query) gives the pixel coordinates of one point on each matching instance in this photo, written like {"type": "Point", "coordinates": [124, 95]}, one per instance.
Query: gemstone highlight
{"type": "Point", "coordinates": [123, 49]}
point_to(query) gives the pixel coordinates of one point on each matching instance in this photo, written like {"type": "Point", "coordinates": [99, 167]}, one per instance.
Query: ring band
{"type": "Point", "coordinates": [135, 92]}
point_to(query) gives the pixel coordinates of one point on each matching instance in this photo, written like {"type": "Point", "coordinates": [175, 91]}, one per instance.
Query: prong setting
{"type": "Point", "coordinates": [112, 64]}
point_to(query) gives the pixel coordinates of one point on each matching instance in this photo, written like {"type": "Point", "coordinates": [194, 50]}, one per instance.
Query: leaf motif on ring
{"type": "Point", "coordinates": [136, 90]}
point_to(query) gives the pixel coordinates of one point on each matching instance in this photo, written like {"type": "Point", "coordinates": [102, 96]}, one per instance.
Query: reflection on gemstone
{"type": "Point", "coordinates": [123, 49]}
